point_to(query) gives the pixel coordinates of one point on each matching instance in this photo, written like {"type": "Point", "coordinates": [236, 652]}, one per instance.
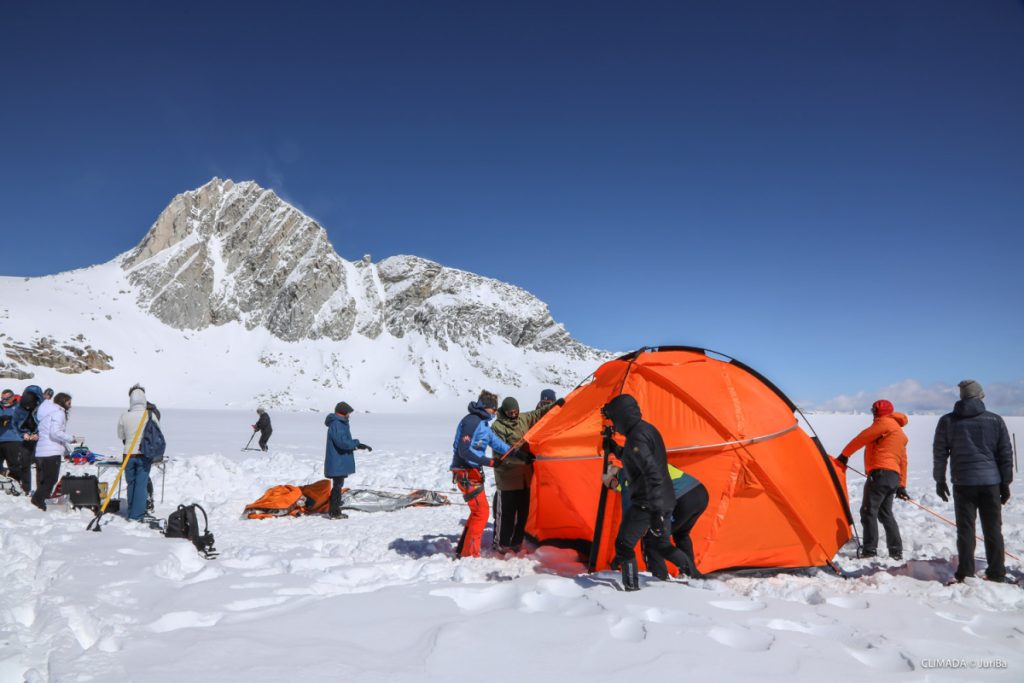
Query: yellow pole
{"type": "Point", "coordinates": [131, 450]}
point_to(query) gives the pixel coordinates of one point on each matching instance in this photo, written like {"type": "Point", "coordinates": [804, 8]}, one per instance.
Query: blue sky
{"type": "Point", "coordinates": [832, 192]}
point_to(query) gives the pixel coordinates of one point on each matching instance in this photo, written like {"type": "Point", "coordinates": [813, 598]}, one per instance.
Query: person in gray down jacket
{"type": "Point", "coordinates": [976, 444]}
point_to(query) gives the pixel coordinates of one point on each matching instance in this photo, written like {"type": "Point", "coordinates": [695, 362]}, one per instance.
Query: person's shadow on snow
{"type": "Point", "coordinates": [425, 546]}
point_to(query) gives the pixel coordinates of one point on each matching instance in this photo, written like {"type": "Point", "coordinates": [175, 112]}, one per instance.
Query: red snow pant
{"type": "Point", "coordinates": [471, 484]}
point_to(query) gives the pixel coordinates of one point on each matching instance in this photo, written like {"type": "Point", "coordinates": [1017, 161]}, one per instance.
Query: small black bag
{"type": "Point", "coordinates": [82, 492]}
{"type": "Point", "coordinates": [184, 523]}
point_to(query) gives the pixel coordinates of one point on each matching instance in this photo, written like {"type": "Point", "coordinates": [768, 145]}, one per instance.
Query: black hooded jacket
{"type": "Point", "coordinates": [977, 445]}
{"type": "Point", "coordinates": [643, 456]}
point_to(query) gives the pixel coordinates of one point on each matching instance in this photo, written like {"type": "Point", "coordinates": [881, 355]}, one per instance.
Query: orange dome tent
{"type": "Point", "coordinates": [777, 499]}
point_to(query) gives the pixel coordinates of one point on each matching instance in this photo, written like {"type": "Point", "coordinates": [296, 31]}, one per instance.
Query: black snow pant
{"type": "Point", "coordinates": [511, 509]}
{"type": "Point", "coordinates": [20, 466]}
{"type": "Point", "coordinates": [10, 457]}
{"type": "Point", "coordinates": [264, 438]}
{"type": "Point", "coordinates": [876, 507]}
{"type": "Point", "coordinates": [636, 523]}
{"type": "Point", "coordinates": [335, 505]}
{"type": "Point", "coordinates": [689, 507]}
{"type": "Point", "coordinates": [47, 475]}
{"type": "Point", "coordinates": [969, 502]}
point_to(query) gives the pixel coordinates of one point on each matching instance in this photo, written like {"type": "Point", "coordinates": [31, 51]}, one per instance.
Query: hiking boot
{"type": "Point", "coordinates": [338, 515]}
{"type": "Point", "coordinates": [630, 576]}
{"type": "Point", "coordinates": [864, 554]}
{"type": "Point", "coordinates": [999, 579]}
{"type": "Point", "coordinates": [895, 554]}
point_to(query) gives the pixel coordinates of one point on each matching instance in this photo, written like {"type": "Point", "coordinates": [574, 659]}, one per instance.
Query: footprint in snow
{"type": "Point", "coordinates": [739, 605]}
{"type": "Point", "coordinates": [848, 602]}
{"type": "Point", "coordinates": [174, 621]}
{"type": "Point", "coordinates": [742, 638]}
{"type": "Point", "coordinates": [882, 658]}
{"type": "Point", "coordinates": [476, 600]}
{"type": "Point", "coordinates": [629, 629]}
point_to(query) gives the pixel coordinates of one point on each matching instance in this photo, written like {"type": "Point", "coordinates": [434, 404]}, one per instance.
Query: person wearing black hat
{"type": "Point", "coordinates": [976, 444]}
{"type": "Point", "coordinates": [340, 459]}
{"type": "Point", "coordinates": [547, 397]}
{"type": "Point", "coordinates": [512, 475]}
{"type": "Point", "coordinates": [469, 456]}
{"type": "Point", "coordinates": [652, 496]}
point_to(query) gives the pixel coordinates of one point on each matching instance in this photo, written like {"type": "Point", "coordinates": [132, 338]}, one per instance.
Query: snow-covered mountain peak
{"type": "Point", "coordinates": [242, 290]}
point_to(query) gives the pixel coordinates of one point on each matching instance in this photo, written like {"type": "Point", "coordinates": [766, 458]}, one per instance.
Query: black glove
{"type": "Point", "coordinates": [657, 524]}
{"type": "Point", "coordinates": [364, 447]}
{"type": "Point", "coordinates": [942, 490]}
{"type": "Point", "coordinates": [902, 494]}
{"type": "Point", "coordinates": [1004, 493]}
{"type": "Point", "coordinates": [842, 460]}
{"type": "Point", "coordinates": [560, 402]}
{"type": "Point", "coordinates": [524, 453]}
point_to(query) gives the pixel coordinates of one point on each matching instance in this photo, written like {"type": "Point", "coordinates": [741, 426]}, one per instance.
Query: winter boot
{"type": "Point", "coordinates": [630, 575]}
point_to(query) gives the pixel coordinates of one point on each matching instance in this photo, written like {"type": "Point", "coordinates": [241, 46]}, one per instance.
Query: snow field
{"type": "Point", "coordinates": [378, 597]}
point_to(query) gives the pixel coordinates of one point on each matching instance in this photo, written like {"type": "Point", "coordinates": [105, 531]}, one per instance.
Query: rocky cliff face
{"type": "Point", "coordinates": [235, 251]}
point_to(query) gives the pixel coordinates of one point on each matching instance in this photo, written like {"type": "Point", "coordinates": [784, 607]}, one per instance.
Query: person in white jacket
{"type": "Point", "coordinates": [53, 443]}
{"type": "Point", "coordinates": [137, 470]}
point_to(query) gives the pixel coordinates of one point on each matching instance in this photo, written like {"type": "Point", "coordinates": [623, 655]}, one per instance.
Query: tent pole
{"type": "Point", "coordinates": [602, 501]}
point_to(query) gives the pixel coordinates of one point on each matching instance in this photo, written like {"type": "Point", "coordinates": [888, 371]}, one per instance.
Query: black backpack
{"type": "Point", "coordinates": [184, 523]}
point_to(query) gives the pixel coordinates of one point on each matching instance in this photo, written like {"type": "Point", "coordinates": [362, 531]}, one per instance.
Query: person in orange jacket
{"type": "Point", "coordinates": [885, 459]}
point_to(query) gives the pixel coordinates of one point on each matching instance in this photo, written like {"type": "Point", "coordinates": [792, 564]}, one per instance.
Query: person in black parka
{"type": "Point", "coordinates": [652, 496]}
{"type": "Point", "coordinates": [977, 446]}
{"type": "Point", "coordinates": [263, 427]}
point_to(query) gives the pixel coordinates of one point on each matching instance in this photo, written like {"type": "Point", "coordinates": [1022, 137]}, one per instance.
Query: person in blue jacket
{"type": "Point", "coordinates": [469, 456]}
{"type": "Point", "coordinates": [340, 459]}
{"type": "Point", "coordinates": [25, 424]}
{"type": "Point", "coordinates": [10, 437]}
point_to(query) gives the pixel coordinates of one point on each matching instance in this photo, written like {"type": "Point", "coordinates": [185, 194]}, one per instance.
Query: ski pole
{"type": "Point", "coordinates": [250, 440]}
{"type": "Point", "coordinates": [936, 514]}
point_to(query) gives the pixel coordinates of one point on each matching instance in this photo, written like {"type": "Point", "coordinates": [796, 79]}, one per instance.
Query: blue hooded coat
{"type": "Point", "coordinates": [472, 437]}
{"type": "Point", "coordinates": [340, 460]}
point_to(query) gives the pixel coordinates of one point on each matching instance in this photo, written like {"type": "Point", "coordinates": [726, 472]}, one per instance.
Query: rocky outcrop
{"type": "Point", "coordinates": [47, 352]}
{"type": "Point", "coordinates": [237, 252]}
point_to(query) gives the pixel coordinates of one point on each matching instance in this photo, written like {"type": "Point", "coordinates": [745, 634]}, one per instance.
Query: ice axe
{"type": "Point", "coordinates": [250, 441]}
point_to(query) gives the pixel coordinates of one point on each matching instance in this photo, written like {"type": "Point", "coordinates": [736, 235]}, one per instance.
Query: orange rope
{"type": "Point", "coordinates": [936, 514]}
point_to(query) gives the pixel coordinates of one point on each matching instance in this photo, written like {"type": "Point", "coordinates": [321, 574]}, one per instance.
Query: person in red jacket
{"type": "Point", "coordinates": [885, 459]}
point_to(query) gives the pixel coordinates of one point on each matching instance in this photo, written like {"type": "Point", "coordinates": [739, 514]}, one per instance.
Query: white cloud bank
{"type": "Point", "coordinates": [911, 396]}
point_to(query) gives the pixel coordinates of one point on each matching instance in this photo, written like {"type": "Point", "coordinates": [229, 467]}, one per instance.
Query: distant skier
{"type": "Point", "coordinates": [652, 497]}
{"type": "Point", "coordinates": [469, 456]}
{"type": "Point", "coordinates": [547, 397]}
{"type": "Point", "coordinates": [977, 446]}
{"type": "Point", "coordinates": [513, 474]}
{"type": "Point", "coordinates": [263, 427]}
{"type": "Point", "coordinates": [53, 444]}
{"type": "Point", "coordinates": [885, 459]}
{"type": "Point", "coordinates": [340, 459]}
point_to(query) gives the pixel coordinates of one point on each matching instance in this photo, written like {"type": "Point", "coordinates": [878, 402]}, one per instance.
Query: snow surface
{"type": "Point", "coordinates": [228, 366]}
{"type": "Point", "coordinates": [378, 597]}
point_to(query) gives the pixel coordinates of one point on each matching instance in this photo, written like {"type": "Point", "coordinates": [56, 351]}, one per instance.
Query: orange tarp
{"type": "Point", "coordinates": [776, 500]}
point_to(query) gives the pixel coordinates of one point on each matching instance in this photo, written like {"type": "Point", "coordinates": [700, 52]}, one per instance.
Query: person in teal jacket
{"type": "Point", "coordinates": [340, 459]}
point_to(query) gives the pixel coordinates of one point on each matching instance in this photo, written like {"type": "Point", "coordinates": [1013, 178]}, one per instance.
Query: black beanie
{"type": "Point", "coordinates": [343, 408]}
{"type": "Point", "coordinates": [488, 400]}
{"type": "Point", "coordinates": [509, 404]}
